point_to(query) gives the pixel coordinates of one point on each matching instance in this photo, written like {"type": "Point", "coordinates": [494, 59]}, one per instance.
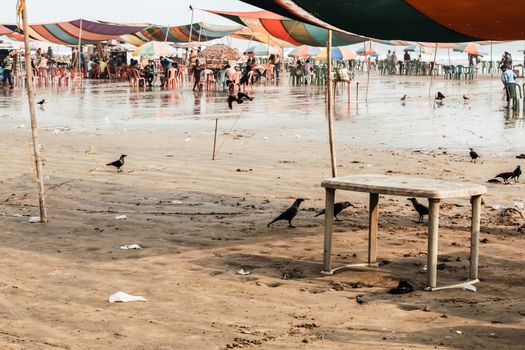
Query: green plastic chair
{"type": "Point", "coordinates": [459, 72]}
{"type": "Point", "coordinates": [516, 96]}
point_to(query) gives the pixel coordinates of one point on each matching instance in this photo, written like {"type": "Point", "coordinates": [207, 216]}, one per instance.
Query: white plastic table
{"type": "Point", "coordinates": [434, 190]}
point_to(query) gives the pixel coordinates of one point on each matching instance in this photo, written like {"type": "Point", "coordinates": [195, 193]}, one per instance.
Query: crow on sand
{"type": "Point", "coordinates": [420, 208]}
{"type": "Point", "coordinates": [289, 214]}
{"type": "Point", "coordinates": [118, 163]}
{"type": "Point", "coordinates": [338, 207]}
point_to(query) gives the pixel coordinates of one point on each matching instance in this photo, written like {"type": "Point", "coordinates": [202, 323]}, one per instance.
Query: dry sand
{"type": "Point", "coordinates": [200, 221]}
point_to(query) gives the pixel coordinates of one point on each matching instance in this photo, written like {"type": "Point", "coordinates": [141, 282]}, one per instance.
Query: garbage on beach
{"type": "Point", "coordinates": [519, 205]}
{"type": "Point", "coordinates": [121, 217]}
{"type": "Point", "coordinates": [470, 287]}
{"type": "Point", "coordinates": [130, 246]}
{"type": "Point", "coordinates": [243, 273]}
{"type": "Point", "coordinates": [34, 219]}
{"type": "Point", "coordinates": [121, 297]}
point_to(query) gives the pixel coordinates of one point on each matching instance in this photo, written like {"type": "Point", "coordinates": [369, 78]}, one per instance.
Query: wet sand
{"type": "Point", "coordinates": [200, 221]}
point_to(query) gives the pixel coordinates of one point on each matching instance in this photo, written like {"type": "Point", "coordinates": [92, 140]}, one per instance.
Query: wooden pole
{"type": "Point", "coordinates": [368, 71]}
{"type": "Point", "coordinates": [490, 65]}
{"type": "Point", "coordinates": [474, 237]}
{"type": "Point", "coordinates": [79, 50]}
{"type": "Point", "coordinates": [329, 104]}
{"type": "Point", "coordinates": [32, 112]}
{"type": "Point", "coordinates": [432, 71]}
{"type": "Point", "coordinates": [189, 37]}
{"type": "Point", "coordinates": [215, 138]}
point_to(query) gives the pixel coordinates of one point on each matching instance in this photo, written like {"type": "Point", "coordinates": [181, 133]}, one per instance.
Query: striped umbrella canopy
{"type": "Point", "coordinates": [261, 50]}
{"type": "Point", "coordinates": [69, 33]}
{"type": "Point", "coordinates": [338, 53]}
{"type": "Point", "coordinates": [472, 48]}
{"type": "Point", "coordinates": [155, 49]}
{"type": "Point", "coordinates": [416, 20]}
{"type": "Point", "coordinates": [418, 49]}
{"type": "Point", "coordinates": [295, 32]}
{"type": "Point", "coordinates": [200, 32]}
{"type": "Point", "coordinates": [304, 51]}
{"type": "Point", "coordinates": [261, 37]}
{"type": "Point", "coordinates": [366, 51]}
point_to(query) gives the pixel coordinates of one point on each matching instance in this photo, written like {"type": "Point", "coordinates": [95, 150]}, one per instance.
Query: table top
{"type": "Point", "coordinates": [404, 186]}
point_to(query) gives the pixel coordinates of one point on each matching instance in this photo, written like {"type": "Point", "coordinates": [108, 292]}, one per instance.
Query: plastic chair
{"type": "Point", "coordinates": [458, 72]}
{"type": "Point", "coordinates": [514, 94]}
{"type": "Point", "coordinates": [171, 78]}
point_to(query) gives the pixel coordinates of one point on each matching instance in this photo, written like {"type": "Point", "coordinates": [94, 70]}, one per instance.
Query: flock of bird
{"type": "Point", "coordinates": [505, 176]}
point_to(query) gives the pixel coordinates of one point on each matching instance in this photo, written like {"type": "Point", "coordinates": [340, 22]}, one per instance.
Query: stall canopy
{"type": "Point", "coordinates": [295, 32]}
{"type": "Point", "coordinates": [181, 34]}
{"type": "Point", "coordinates": [250, 35]}
{"type": "Point", "coordinates": [415, 20]}
{"type": "Point", "coordinates": [69, 33]}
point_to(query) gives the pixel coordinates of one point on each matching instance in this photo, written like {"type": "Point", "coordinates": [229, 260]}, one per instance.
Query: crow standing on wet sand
{"type": "Point", "coordinates": [510, 175]}
{"type": "Point", "coordinates": [239, 98]}
{"type": "Point", "coordinates": [404, 98]}
{"type": "Point", "coordinates": [118, 163]}
{"type": "Point", "coordinates": [338, 207]}
{"type": "Point", "coordinates": [465, 98]}
{"type": "Point", "coordinates": [440, 96]}
{"type": "Point", "coordinates": [41, 102]}
{"type": "Point", "coordinates": [420, 208]}
{"type": "Point", "coordinates": [473, 155]}
{"type": "Point", "coordinates": [290, 213]}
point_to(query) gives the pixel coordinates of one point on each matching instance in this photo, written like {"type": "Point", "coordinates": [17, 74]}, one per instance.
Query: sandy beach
{"type": "Point", "coordinates": [200, 221]}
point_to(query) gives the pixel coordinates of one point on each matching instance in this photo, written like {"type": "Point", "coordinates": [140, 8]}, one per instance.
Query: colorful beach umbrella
{"type": "Point", "coordinates": [368, 51]}
{"type": "Point", "coordinates": [472, 48]}
{"type": "Point", "coordinates": [338, 53]}
{"type": "Point", "coordinates": [261, 50]}
{"type": "Point", "coordinates": [304, 51]}
{"type": "Point", "coordinates": [155, 49]}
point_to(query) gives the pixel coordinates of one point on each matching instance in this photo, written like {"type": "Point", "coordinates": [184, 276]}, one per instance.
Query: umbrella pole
{"type": "Point", "coordinates": [34, 130]}
{"type": "Point", "coordinates": [329, 104]}
{"type": "Point", "coordinates": [432, 70]}
{"type": "Point", "coordinates": [189, 37]}
{"type": "Point", "coordinates": [80, 75]}
{"type": "Point", "coordinates": [368, 71]}
{"type": "Point", "coordinates": [490, 65]}
{"type": "Point", "coordinates": [167, 32]}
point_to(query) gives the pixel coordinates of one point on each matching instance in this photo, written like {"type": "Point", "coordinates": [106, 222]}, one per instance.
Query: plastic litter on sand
{"type": "Point", "coordinates": [121, 297]}
{"type": "Point", "coordinates": [130, 246]}
{"type": "Point", "coordinates": [121, 217]}
{"type": "Point", "coordinates": [242, 272]}
{"type": "Point", "coordinates": [34, 219]}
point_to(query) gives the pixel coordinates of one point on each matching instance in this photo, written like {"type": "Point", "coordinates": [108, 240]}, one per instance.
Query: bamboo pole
{"type": "Point", "coordinates": [80, 75]}
{"type": "Point", "coordinates": [215, 138]}
{"type": "Point", "coordinates": [189, 37]}
{"type": "Point", "coordinates": [329, 104]}
{"type": "Point", "coordinates": [490, 65]}
{"type": "Point", "coordinates": [432, 70]}
{"type": "Point", "coordinates": [368, 70]}
{"type": "Point", "coordinates": [32, 112]}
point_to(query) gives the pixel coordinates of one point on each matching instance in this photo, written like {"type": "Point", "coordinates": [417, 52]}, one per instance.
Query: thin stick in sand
{"type": "Point", "coordinates": [31, 100]}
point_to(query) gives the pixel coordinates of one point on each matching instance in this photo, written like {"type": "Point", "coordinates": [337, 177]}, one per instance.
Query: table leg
{"type": "Point", "coordinates": [433, 234]}
{"type": "Point", "coordinates": [328, 223]}
{"type": "Point", "coordinates": [474, 236]}
{"type": "Point", "coordinates": [373, 216]}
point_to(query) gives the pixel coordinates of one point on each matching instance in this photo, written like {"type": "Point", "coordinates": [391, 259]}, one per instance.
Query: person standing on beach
{"type": "Point", "coordinates": [8, 67]}
{"type": "Point", "coordinates": [394, 63]}
{"type": "Point", "coordinates": [508, 77]}
{"type": "Point", "coordinates": [196, 72]}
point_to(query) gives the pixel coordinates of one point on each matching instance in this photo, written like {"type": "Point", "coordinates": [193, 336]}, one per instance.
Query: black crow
{"type": "Point", "coordinates": [521, 156]}
{"type": "Point", "coordinates": [404, 98]}
{"type": "Point", "coordinates": [420, 208]}
{"type": "Point", "coordinates": [118, 163]}
{"type": "Point", "coordinates": [338, 207]}
{"type": "Point", "coordinates": [466, 98]}
{"type": "Point", "coordinates": [510, 175]}
{"type": "Point", "coordinates": [402, 288]}
{"type": "Point", "coordinates": [440, 96]}
{"type": "Point", "coordinates": [41, 102]}
{"type": "Point", "coordinates": [473, 155]}
{"type": "Point", "coordinates": [290, 213]}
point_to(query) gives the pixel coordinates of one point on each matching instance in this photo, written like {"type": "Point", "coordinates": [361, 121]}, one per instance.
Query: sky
{"type": "Point", "coordinates": [151, 11]}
